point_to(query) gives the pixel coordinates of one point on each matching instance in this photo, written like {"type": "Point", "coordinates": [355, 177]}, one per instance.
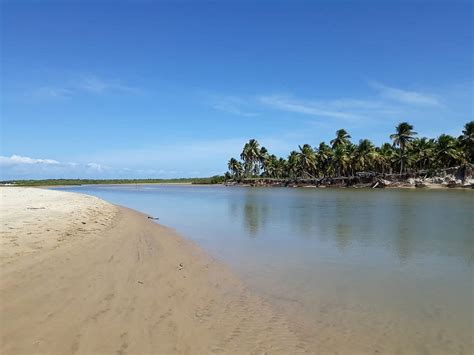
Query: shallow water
{"type": "Point", "coordinates": [357, 271]}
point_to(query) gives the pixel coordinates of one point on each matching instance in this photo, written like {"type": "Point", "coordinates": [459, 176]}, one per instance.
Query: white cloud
{"type": "Point", "coordinates": [313, 108]}
{"type": "Point", "coordinates": [405, 96]}
{"type": "Point", "coordinates": [97, 167]}
{"type": "Point", "coordinates": [18, 159]}
{"type": "Point", "coordinates": [17, 166]}
{"type": "Point", "coordinates": [21, 167]}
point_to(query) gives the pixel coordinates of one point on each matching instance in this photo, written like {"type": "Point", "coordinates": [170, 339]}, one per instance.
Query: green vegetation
{"type": "Point", "coordinates": [57, 182]}
{"type": "Point", "coordinates": [405, 154]}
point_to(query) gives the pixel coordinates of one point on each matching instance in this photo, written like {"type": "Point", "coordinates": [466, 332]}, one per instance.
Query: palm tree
{"type": "Point", "coordinates": [365, 155]}
{"type": "Point", "coordinates": [340, 160]}
{"type": "Point", "coordinates": [447, 152]}
{"type": "Point", "coordinates": [324, 156]}
{"type": "Point", "coordinates": [467, 141]}
{"type": "Point", "coordinates": [344, 158]}
{"type": "Point", "coordinates": [282, 168]}
{"type": "Point", "coordinates": [403, 136]}
{"type": "Point", "coordinates": [423, 152]}
{"type": "Point", "coordinates": [250, 155]}
{"type": "Point", "coordinates": [342, 138]}
{"type": "Point", "coordinates": [263, 158]}
{"type": "Point", "coordinates": [386, 156]}
{"type": "Point", "coordinates": [235, 167]}
{"type": "Point", "coordinates": [293, 165]}
{"type": "Point", "coordinates": [351, 158]}
{"type": "Point", "coordinates": [271, 166]}
{"type": "Point", "coordinates": [307, 160]}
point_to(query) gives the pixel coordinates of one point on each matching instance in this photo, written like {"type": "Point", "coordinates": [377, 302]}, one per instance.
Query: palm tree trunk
{"type": "Point", "coordinates": [401, 159]}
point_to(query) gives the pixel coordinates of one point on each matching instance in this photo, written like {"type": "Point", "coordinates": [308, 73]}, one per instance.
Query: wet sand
{"type": "Point", "coordinates": [81, 276]}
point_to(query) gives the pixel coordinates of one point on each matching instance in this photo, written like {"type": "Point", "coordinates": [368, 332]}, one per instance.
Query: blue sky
{"type": "Point", "coordinates": [166, 89]}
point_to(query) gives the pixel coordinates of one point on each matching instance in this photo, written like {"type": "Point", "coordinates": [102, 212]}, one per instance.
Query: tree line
{"type": "Point", "coordinates": [405, 154]}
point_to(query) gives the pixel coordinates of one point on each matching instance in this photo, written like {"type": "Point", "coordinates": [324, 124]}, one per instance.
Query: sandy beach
{"type": "Point", "coordinates": [82, 276]}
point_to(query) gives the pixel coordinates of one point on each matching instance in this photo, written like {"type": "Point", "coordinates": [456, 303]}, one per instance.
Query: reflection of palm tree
{"type": "Point", "coordinates": [255, 213]}
{"type": "Point", "coordinates": [405, 219]}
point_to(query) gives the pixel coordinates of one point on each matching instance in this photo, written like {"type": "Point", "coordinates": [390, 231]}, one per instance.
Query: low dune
{"type": "Point", "coordinates": [82, 276]}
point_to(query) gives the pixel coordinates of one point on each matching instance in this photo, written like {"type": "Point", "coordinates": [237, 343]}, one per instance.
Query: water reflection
{"type": "Point", "coordinates": [405, 222]}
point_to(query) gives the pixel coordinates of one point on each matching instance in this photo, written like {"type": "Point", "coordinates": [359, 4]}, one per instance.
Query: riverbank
{"type": "Point", "coordinates": [450, 178]}
{"type": "Point", "coordinates": [80, 275]}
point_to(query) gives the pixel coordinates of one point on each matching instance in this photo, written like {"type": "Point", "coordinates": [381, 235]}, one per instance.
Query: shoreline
{"type": "Point", "coordinates": [405, 186]}
{"type": "Point", "coordinates": [130, 285]}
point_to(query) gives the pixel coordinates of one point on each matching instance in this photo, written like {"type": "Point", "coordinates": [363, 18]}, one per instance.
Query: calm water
{"type": "Point", "coordinates": [355, 270]}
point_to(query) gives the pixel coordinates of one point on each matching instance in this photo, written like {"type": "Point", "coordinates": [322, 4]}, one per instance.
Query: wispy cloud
{"type": "Point", "coordinates": [405, 96]}
{"type": "Point", "coordinates": [89, 84]}
{"type": "Point", "coordinates": [231, 104]}
{"type": "Point", "coordinates": [95, 84]}
{"type": "Point", "coordinates": [50, 93]}
{"type": "Point", "coordinates": [385, 101]}
{"type": "Point", "coordinates": [338, 110]}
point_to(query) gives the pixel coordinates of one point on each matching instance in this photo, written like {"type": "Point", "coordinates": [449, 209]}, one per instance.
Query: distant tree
{"type": "Point", "coordinates": [235, 167]}
{"type": "Point", "coordinates": [324, 158]}
{"type": "Point", "coordinates": [343, 158]}
{"type": "Point", "coordinates": [448, 153]}
{"type": "Point", "coordinates": [293, 165]}
{"type": "Point", "coordinates": [386, 156]}
{"type": "Point", "coordinates": [342, 139]}
{"type": "Point", "coordinates": [404, 135]}
{"type": "Point", "coordinates": [251, 155]}
{"type": "Point", "coordinates": [466, 141]}
{"type": "Point", "coordinates": [307, 160]}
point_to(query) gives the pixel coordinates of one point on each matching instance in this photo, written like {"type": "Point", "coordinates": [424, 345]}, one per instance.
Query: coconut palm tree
{"type": "Point", "coordinates": [340, 160]}
{"type": "Point", "coordinates": [344, 158]}
{"type": "Point", "coordinates": [447, 152]}
{"type": "Point", "coordinates": [282, 168]}
{"type": "Point", "coordinates": [342, 138]}
{"type": "Point", "coordinates": [293, 165]}
{"type": "Point", "coordinates": [467, 141]}
{"type": "Point", "coordinates": [386, 157]}
{"type": "Point", "coordinates": [307, 160]}
{"type": "Point", "coordinates": [263, 158]}
{"type": "Point", "coordinates": [323, 156]}
{"type": "Point", "coordinates": [271, 166]}
{"type": "Point", "coordinates": [403, 136]}
{"type": "Point", "coordinates": [250, 155]}
{"type": "Point", "coordinates": [235, 167]}
{"type": "Point", "coordinates": [365, 155]}
{"type": "Point", "coordinates": [423, 150]}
